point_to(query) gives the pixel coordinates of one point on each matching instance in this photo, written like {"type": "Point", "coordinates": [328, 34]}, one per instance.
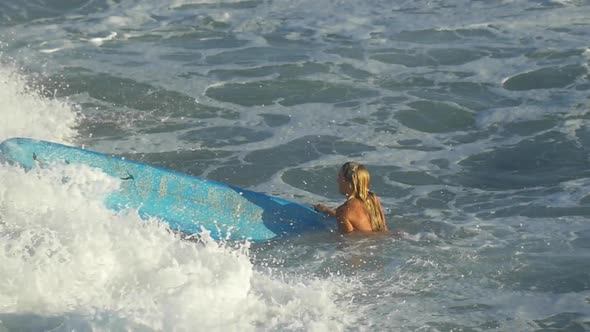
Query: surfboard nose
{"type": "Point", "coordinates": [10, 143]}
{"type": "Point", "coordinates": [12, 150]}
{"type": "Point", "coordinates": [7, 146]}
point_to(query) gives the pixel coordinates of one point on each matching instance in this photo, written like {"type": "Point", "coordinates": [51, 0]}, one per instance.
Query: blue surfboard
{"type": "Point", "coordinates": [186, 203]}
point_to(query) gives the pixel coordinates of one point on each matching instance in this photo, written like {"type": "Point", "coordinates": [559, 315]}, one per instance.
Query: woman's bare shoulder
{"type": "Point", "coordinates": [355, 202]}
{"type": "Point", "coordinates": [352, 206]}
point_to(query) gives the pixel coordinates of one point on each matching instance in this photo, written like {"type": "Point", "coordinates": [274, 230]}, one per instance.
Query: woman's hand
{"type": "Point", "coordinates": [325, 209]}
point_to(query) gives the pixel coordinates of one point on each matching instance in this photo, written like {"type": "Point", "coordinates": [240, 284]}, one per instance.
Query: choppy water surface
{"type": "Point", "coordinates": [472, 117]}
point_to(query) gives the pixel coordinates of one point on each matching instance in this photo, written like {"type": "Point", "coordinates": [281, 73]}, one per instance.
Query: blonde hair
{"type": "Point", "coordinates": [358, 177]}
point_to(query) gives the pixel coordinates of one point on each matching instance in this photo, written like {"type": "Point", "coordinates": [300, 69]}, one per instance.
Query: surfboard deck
{"type": "Point", "coordinates": [185, 202]}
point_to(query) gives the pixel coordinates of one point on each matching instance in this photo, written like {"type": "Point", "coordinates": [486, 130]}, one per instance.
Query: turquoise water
{"type": "Point", "coordinates": [472, 117]}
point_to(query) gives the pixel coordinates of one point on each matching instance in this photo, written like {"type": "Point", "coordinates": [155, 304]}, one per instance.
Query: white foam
{"type": "Point", "coordinates": [64, 254]}
{"type": "Point", "coordinates": [98, 41]}
{"type": "Point", "coordinates": [24, 112]}
{"type": "Point", "coordinates": [122, 21]}
{"type": "Point", "coordinates": [51, 50]}
{"type": "Point", "coordinates": [508, 115]}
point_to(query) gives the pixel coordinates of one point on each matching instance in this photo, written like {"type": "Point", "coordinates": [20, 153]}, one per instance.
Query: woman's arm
{"type": "Point", "coordinates": [325, 209]}
{"type": "Point", "coordinates": [343, 218]}
{"type": "Point", "coordinates": [347, 216]}
{"type": "Point", "coordinates": [344, 225]}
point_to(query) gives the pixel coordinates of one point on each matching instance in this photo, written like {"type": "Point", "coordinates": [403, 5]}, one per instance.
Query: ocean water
{"type": "Point", "coordinates": [472, 116]}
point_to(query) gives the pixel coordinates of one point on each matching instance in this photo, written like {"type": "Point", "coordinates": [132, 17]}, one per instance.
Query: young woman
{"type": "Point", "coordinates": [362, 210]}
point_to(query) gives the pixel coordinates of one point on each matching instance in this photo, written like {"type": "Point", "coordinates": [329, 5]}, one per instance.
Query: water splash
{"type": "Point", "coordinates": [25, 112]}
{"type": "Point", "coordinates": [65, 255]}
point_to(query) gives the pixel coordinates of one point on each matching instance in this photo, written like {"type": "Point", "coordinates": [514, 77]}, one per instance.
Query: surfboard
{"type": "Point", "coordinates": [187, 203]}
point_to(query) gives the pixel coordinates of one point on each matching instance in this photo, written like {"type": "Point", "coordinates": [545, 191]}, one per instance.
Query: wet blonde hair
{"type": "Point", "coordinates": [359, 179]}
